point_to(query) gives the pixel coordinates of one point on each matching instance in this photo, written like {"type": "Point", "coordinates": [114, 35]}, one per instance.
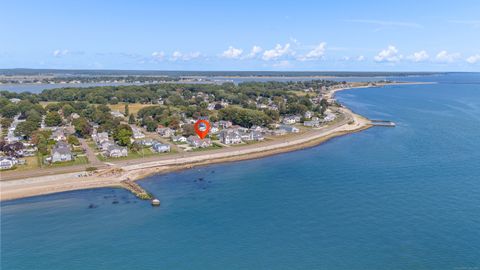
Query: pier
{"type": "Point", "coordinates": [383, 123]}
{"type": "Point", "coordinates": [136, 189]}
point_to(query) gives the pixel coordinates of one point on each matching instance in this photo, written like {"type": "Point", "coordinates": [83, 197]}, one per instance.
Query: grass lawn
{"type": "Point", "coordinates": [132, 107]}
{"type": "Point", "coordinates": [77, 161]}
{"type": "Point", "coordinates": [30, 164]}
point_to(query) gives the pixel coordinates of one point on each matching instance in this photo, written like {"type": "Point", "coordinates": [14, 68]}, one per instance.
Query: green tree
{"type": "Point", "coordinates": [82, 127]}
{"type": "Point", "coordinates": [122, 134]}
{"type": "Point", "coordinates": [53, 119]}
{"type": "Point", "coordinates": [67, 110]}
{"type": "Point", "coordinates": [127, 111]}
{"type": "Point", "coordinates": [26, 128]}
{"type": "Point", "coordinates": [9, 111]}
{"type": "Point", "coordinates": [53, 107]}
{"type": "Point", "coordinates": [72, 139]}
{"type": "Point", "coordinates": [131, 119]}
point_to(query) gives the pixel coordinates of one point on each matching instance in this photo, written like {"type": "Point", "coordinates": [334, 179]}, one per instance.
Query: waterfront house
{"type": "Point", "coordinates": [195, 141]}
{"type": "Point", "coordinates": [116, 151]}
{"type": "Point", "coordinates": [230, 136]}
{"type": "Point", "coordinates": [61, 152]}
{"type": "Point", "coordinates": [7, 163]}
{"type": "Point", "coordinates": [256, 136]}
{"type": "Point", "coordinates": [289, 129]}
{"type": "Point", "coordinates": [312, 123]}
{"type": "Point", "coordinates": [329, 117]}
{"type": "Point", "coordinates": [160, 147]}
{"type": "Point", "coordinates": [147, 142]}
{"type": "Point", "coordinates": [278, 132]}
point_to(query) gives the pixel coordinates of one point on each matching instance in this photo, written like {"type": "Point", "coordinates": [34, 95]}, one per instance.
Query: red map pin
{"type": "Point", "coordinates": [202, 127]}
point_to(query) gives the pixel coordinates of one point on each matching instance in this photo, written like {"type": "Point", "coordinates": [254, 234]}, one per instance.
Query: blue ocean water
{"type": "Point", "coordinates": [387, 198]}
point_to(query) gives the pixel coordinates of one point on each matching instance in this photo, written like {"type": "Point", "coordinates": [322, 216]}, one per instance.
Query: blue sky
{"type": "Point", "coordinates": [241, 35]}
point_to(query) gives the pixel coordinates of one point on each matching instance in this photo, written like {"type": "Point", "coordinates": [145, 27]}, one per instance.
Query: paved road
{"type": "Point", "coordinates": [92, 158]}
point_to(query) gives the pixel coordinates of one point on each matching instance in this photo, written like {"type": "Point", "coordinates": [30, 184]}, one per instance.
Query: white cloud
{"type": "Point", "coordinates": [346, 58]}
{"type": "Point", "coordinates": [446, 57]}
{"type": "Point", "coordinates": [177, 55]}
{"type": "Point", "coordinates": [361, 58]}
{"type": "Point", "coordinates": [158, 56]}
{"type": "Point", "coordinates": [389, 54]}
{"type": "Point", "coordinates": [59, 53]}
{"type": "Point", "coordinates": [419, 56]}
{"type": "Point", "coordinates": [254, 52]}
{"type": "Point", "coordinates": [277, 52]}
{"type": "Point", "coordinates": [473, 59]}
{"type": "Point", "coordinates": [232, 53]}
{"type": "Point", "coordinates": [316, 53]}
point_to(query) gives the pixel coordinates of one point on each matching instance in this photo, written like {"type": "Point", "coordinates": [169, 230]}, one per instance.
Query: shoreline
{"type": "Point", "coordinates": [112, 177]}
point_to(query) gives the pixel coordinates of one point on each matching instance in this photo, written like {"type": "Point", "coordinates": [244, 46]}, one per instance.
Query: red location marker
{"type": "Point", "coordinates": [202, 127]}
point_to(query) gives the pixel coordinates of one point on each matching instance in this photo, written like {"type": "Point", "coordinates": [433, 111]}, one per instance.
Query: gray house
{"type": "Point", "coordinates": [116, 151]}
{"type": "Point", "coordinates": [61, 152]}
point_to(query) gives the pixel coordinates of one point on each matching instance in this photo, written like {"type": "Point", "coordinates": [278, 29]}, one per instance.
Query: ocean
{"type": "Point", "coordinates": [386, 198]}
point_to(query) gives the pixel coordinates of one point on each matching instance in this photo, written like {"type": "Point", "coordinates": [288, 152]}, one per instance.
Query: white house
{"type": "Point", "coordinates": [117, 114]}
{"type": "Point", "coordinates": [329, 117]}
{"type": "Point", "coordinates": [7, 162]}
{"type": "Point", "coordinates": [179, 139]}
{"type": "Point", "coordinates": [229, 136]}
{"type": "Point", "coordinates": [116, 151]}
{"type": "Point", "coordinates": [312, 123]}
{"type": "Point", "coordinates": [160, 147]}
{"type": "Point", "coordinates": [165, 131]}
{"type": "Point", "coordinates": [195, 141]}
{"type": "Point", "coordinates": [137, 133]}
{"type": "Point", "coordinates": [61, 152]}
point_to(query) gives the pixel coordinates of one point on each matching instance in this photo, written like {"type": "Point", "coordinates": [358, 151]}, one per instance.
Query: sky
{"type": "Point", "coordinates": [241, 35]}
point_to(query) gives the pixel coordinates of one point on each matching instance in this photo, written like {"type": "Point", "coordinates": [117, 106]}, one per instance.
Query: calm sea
{"type": "Point", "coordinates": [387, 198]}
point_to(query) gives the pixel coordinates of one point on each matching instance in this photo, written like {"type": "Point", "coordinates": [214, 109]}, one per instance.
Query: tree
{"type": "Point", "coordinates": [127, 111]}
{"type": "Point", "coordinates": [9, 111]}
{"type": "Point", "coordinates": [188, 130]}
{"type": "Point", "coordinates": [82, 127]}
{"type": "Point", "coordinates": [122, 134]}
{"type": "Point", "coordinates": [131, 119]}
{"type": "Point", "coordinates": [53, 119]}
{"type": "Point", "coordinates": [72, 139]}
{"type": "Point", "coordinates": [6, 122]}
{"type": "Point", "coordinates": [67, 110]}
{"type": "Point", "coordinates": [26, 129]}
{"type": "Point", "coordinates": [53, 107]}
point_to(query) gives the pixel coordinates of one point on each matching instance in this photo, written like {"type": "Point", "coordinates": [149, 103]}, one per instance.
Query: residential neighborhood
{"type": "Point", "coordinates": [53, 130]}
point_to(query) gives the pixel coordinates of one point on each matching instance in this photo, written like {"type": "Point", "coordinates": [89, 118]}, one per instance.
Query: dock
{"type": "Point", "coordinates": [136, 189]}
{"type": "Point", "coordinates": [382, 123]}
